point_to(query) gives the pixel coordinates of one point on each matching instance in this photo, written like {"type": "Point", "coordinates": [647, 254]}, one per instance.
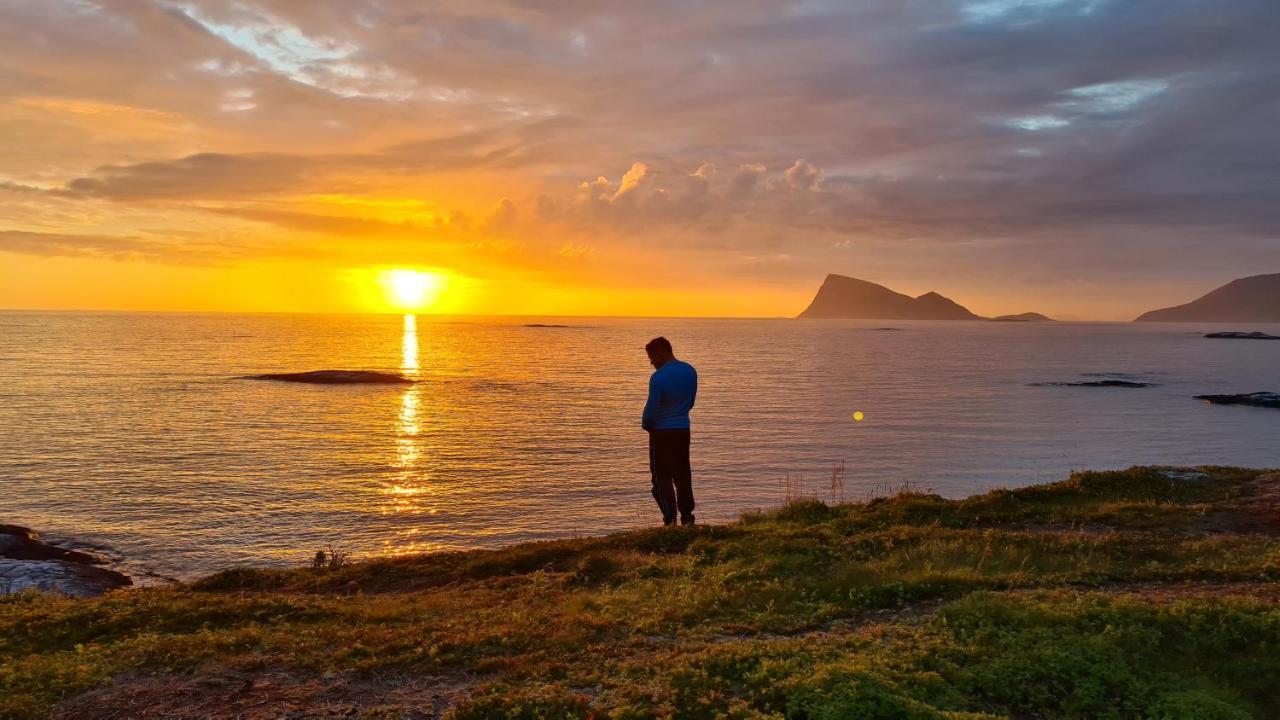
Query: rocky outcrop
{"type": "Point", "coordinates": [27, 562]}
{"type": "Point", "coordinates": [1258, 399]}
{"type": "Point", "coordinates": [1242, 336]}
{"type": "Point", "coordinates": [337, 377]}
{"type": "Point", "coordinates": [845, 297]}
{"type": "Point", "coordinates": [1251, 299]}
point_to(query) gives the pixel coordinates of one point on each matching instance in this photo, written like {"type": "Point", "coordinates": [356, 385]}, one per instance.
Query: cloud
{"type": "Point", "coordinates": [803, 176]}
{"type": "Point", "coordinates": [68, 245]}
{"type": "Point", "coordinates": [205, 175]}
{"type": "Point", "coordinates": [631, 182]}
{"type": "Point", "coordinates": [826, 132]}
{"type": "Point", "coordinates": [258, 174]}
{"type": "Point", "coordinates": [502, 217]}
{"type": "Point", "coordinates": [170, 249]}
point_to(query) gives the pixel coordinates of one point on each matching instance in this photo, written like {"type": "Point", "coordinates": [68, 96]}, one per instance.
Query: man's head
{"type": "Point", "coordinates": [659, 351]}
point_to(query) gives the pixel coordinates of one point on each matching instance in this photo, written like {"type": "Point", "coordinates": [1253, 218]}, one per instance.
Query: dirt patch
{"type": "Point", "coordinates": [235, 695]}
{"type": "Point", "coordinates": [1074, 528]}
{"type": "Point", "coordinates": [1268, 592]}
{"type": "Point", "coordinates": [1259, 505]}
{"type": "Point", "coordinates": [1263, 591]}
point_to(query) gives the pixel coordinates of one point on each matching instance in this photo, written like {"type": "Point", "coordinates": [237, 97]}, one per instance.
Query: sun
{"type": "Point", "coordinates": [410, 290]}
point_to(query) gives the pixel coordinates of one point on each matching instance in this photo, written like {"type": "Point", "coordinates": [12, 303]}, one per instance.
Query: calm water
{"type": "Point", "coordinates": [134, 430]}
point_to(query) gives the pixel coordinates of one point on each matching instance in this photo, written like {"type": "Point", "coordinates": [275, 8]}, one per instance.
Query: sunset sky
{"type": "Point", "coordinates": [1081, 158]}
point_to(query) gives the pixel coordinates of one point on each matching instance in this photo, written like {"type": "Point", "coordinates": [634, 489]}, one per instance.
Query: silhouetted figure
{"type": "Point", "coordinates": [672, 389]}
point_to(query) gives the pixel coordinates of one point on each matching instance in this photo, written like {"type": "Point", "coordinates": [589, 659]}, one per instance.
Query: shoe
{"type": "Point", "coordinates": [687, 520]}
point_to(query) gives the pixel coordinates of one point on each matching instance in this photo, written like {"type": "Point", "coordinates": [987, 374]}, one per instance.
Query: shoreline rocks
{"type": "Point", "coordinates": [1258, 399]}
{"type": "Point", "coordinates": [27, 562]}
{"type": "Point", "coordinates": [337, 377]}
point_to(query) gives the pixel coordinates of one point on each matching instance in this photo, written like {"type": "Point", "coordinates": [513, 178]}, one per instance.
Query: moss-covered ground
{"type": "Point", "coordinates": [1146, 593]}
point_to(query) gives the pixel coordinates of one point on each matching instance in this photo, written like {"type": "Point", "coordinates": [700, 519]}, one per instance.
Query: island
{"type": "Point", "coordinates": [1250, 299]}
{"type": "Point", "coordinates": [844, 297]}
{"type": "Point", "coordinates": [1024, 317]}
{"type": "Point", "coordinates": [1148, 592]}
{"type": "Point", "coordinates": [841, 296]}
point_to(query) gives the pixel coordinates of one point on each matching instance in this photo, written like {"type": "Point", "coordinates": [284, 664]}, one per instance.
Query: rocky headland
{"type": "Point", "coordinates": [1250, 299]}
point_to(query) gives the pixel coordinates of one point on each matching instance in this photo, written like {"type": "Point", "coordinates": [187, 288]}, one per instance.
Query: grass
{"type": "Point", "coordinates": [1138, 593]}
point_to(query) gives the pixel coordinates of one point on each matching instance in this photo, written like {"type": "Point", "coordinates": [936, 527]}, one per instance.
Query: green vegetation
{"type": "Point", "coordinates": [1145, 593]}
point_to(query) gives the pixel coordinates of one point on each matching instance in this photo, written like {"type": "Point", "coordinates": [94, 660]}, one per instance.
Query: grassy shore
{"type": "Point", "coordinates": [1146, 593]}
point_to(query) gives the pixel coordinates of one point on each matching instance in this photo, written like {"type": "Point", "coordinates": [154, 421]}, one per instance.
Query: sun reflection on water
{"type": "Point", "coordinates": [409, 491]}
{"type": "Point", "coordinates": [407, 430]}
{"type": "Point", "coordinates": [409, 345]}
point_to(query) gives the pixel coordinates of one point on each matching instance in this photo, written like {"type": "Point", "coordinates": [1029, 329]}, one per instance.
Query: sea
{"type": "Point", "coordinates": [138, 434]}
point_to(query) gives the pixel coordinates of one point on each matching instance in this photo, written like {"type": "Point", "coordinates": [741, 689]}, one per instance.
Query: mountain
{"type": "Point", "coordinates": [1024, 317]}
{"type": "Point", "coordinates": [1251, 299]}
{"type": "Point", "coordinates": [846, 297]}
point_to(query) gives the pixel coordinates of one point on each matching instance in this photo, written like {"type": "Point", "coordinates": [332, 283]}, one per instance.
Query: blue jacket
{"type": "Point", "coordinates": [672, 389]}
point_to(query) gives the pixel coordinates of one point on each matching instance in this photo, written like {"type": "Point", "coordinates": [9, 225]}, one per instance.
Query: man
{"type": "Point", "coordinates": [672, 389]}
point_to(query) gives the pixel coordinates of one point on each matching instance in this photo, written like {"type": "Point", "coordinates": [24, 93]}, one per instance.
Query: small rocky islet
{"type": "Point", "coordinates": [1097, 384]}
{"type": "Point", "coordinates": [1236, 335]}
{"type": "Point", "coordinates": [336, 377]}
{"type": "Point", "coordinates": [1257, 399]}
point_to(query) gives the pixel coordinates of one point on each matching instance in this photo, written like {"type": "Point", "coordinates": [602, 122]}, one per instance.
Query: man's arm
{"type": "Point", "coordinates": [693, 394]}
{"type": "Point", "coordinates": [651, 405]}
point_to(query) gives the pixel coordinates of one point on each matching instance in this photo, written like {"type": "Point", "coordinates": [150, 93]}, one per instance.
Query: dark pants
{"type": "Point", "coordinates": [672, 476]}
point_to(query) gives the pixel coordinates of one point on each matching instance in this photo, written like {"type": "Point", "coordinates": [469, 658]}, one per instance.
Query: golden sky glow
{"type": "Point", "coordinates": [270, 155]}
{"type": "Point", "coordinates": [411, 290]}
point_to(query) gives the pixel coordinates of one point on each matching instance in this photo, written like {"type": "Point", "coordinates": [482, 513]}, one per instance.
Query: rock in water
{"type": "Point", "coordinates": [27, 562]}
{"type": "Point", "coordinates": [1097, 383]}
{"type": "Point", "coordinates": [337, 377]}
{"type": "Point", "coordinates": [1258, 399]}
{"type": "Point", "coordinates": [1242, 336]}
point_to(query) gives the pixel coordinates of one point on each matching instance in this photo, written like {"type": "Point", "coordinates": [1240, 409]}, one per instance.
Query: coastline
{"type": "Point", "coordinates": [1152, 589]}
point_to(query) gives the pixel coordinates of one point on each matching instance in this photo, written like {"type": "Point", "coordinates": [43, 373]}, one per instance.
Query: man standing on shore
{"type": "Point", "coordinates": [672, 389]}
